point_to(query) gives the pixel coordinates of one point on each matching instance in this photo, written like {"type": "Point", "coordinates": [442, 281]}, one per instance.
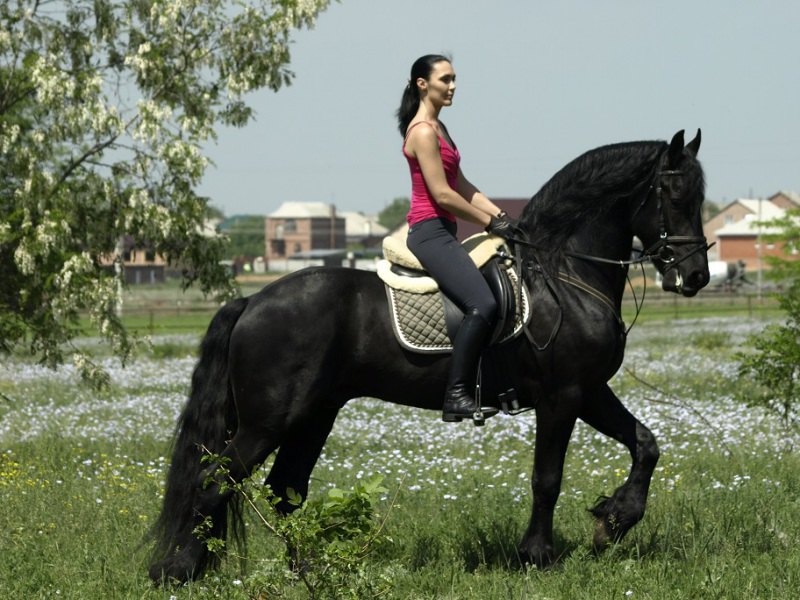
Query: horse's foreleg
{"type": "Point", "coordinates": [297, 456]}
{"type": "Point", "coordinates": [554, 423]}
{"type": "Point", "coordinates": [617, 514]}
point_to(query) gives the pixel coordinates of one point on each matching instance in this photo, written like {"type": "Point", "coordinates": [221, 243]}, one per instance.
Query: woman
{"type": "Point", "coordinates": [440, 193]}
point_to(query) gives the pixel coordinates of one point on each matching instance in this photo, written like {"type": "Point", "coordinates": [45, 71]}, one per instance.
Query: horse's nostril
{"type": "Point", "coordinates": [698, 279]}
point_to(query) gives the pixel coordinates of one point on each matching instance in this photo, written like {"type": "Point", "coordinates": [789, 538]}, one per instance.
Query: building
{"type": "Point", "coordinates": [303, 228]}
{"type": "Point", "coordinates": [513, 206]}
{"type": "Point", "coordinates": [363, 230]}
{"type": "Point", "coordinates": [786, 200]}
{"type": "Point", "coordinates": [141, 264]}
{"type": "Point", "coordinates": [737, 219]}
{"type": "Point", "coordinates": [738, 229]}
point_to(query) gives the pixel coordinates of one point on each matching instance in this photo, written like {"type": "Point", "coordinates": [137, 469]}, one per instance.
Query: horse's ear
{"type": "Point", "coordinates": [675, 149]}
{"type": "Point", "coordinates": [694, 145]}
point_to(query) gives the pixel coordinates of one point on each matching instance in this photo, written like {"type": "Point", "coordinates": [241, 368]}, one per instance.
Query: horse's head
{"type": "Point", "coordinates": [669, 220]}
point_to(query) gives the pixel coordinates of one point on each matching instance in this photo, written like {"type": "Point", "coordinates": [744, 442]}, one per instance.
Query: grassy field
{"type": "Point", "coordinates": [81, 475]}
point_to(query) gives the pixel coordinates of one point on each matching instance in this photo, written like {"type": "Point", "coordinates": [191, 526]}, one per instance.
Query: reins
{"type": "Point", "coordinates": [662, 250]}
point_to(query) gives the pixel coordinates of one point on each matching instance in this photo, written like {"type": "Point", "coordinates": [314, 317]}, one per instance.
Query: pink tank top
{"type": "Point", "coordinates": [423, 205]}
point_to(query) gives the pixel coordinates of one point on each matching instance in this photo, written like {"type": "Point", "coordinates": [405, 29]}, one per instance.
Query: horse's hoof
{"type": "Point", "coordinates": [169, 572]}
{"type": "Point", "coordinates": [602, 539]}
{"type": "Point", "coordinates": [542, 558]}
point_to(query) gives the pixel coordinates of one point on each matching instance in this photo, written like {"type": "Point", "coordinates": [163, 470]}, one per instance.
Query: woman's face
{"type": "Point", "coordinates": [441, 85]}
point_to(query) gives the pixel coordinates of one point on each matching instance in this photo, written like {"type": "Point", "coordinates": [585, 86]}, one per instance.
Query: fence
{"type": "Point", "coordinates": [153, 314]}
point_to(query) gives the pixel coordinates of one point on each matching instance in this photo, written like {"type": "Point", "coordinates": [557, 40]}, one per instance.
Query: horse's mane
{"type": "Point", "coordinates": [591, 185]}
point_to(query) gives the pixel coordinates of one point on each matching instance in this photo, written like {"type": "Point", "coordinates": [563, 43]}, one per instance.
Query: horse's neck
{"type": "Point", "coordinates": [609, 238]}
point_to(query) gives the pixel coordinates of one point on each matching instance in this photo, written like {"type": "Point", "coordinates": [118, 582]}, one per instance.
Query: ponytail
{"type": "Point", "coordinates": [409, 103]}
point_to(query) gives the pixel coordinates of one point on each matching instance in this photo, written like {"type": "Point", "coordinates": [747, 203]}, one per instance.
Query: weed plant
{"type": "Point", "coordinates": [81, 475]}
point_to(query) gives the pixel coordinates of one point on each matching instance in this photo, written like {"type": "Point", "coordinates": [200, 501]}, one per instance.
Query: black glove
{"type": "Point", "coordinates": [503, 226]}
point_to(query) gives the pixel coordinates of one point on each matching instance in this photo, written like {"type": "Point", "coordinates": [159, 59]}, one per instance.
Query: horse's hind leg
{"type": "Point", "coordinates": [190, 555]}
{"type": "Point", "coordinates": [617, 514]}
{"type": "Point", "coordinates": [297, 456]}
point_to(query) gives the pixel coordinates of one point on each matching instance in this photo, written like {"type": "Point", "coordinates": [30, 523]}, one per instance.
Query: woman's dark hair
{"type": "Point", "coordinates": [409, 104]}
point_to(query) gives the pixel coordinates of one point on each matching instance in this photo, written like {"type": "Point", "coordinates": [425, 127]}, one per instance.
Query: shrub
{"type": "Point", "coordinates": [326, 539]}
{"type": "Point", "coordinates": [774, 362]}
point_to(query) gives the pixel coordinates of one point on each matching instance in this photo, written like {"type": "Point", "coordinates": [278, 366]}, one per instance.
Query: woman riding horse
{"type": "Point", "coordinates": [439, 193]}
{"type": "Point", "coordinates": [276, 368]}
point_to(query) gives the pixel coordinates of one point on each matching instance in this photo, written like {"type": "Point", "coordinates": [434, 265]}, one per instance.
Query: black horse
{"type": "Point", "coordinates": [275, 368]}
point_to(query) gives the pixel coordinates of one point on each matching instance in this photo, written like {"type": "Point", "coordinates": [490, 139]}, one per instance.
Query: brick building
{"type": "Point", "coordinates": [738, 232]}
{"type": "Point", "coordinates": [300, 228]}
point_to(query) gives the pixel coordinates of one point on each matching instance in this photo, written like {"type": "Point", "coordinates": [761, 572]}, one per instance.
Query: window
{"type": "Point", "coordinates": [278, 248]}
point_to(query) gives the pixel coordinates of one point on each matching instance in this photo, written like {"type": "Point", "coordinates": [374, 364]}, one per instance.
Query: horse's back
{"type": "Point", "coordinates": [309, 303]}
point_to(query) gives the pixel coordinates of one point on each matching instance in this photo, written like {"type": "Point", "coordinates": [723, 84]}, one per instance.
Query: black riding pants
{"type": "Point", "coordinates": [434, 243]}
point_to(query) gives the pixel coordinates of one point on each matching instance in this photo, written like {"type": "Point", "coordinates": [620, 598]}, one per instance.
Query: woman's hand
{"type": "Point", "coordinates": [504, 226]}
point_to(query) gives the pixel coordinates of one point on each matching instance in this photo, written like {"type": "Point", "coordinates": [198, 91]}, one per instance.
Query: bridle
{"type": "Point", "coordinates": [663, 249]}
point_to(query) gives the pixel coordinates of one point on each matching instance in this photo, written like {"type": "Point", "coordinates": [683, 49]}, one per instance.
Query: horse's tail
{"type": "Point", "coordinates": [207, 423]}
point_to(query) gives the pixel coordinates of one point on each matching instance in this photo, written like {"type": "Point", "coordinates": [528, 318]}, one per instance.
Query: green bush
{"type": "Point", "coordinates": [326, 540]}
{"type": "Point", "coordinates": [774, 362]}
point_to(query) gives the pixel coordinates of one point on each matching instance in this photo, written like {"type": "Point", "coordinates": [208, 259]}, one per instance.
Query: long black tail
{"type": "Point", "coordinates": [207, 423]}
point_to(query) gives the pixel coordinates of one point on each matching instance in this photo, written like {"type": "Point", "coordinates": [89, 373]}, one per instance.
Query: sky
{"type": "Point", "coordinates": [538, 83]}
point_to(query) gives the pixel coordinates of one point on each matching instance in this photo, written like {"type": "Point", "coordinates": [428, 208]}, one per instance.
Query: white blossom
{"type": "Point", "coordinates": [102, 152]}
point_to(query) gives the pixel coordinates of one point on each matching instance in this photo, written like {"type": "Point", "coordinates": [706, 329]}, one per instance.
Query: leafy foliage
{"type": "Point", "coordinates": [788, 233]}
{"type": "Point", "coordinates": [246, 235]}
{"type": "Point", "coordinates": [774, 362]}
{"type": "Point", "coordinates": [395, 213]}
{"type": "Point", "coordinates": [104, 110]}
{"type": "Point", "coordinates": [326, 539]}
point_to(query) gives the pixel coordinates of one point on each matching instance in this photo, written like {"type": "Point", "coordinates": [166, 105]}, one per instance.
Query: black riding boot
{"type": "Point", "coordinates": [459, 401]}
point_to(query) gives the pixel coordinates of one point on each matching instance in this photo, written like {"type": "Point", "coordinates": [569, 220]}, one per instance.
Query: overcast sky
{"type": "Point", "coordinates": [539, 82]}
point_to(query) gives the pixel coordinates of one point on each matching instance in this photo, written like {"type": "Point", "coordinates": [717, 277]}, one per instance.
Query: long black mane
{"type": "Point", "coordinates": [592, 184]}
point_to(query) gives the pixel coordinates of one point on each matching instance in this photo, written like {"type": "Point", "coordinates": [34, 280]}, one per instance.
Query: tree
{"type": "Point", "coordinates": [246, 234]}
{"type": "Point", "coordinates": [774, 362]}
{"type": "Point", "coordinates": [710, 210]}
{"type": "Point", "coordinates": [774, 359]}
{"type": "Point", "coordinates": [786, 231]}
{"type": "Point", "coordinates": [395, 213]}
{"type": "Point", "coordinates": [105, 106]}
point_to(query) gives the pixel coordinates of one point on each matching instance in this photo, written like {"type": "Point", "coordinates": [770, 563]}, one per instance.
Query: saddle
{"type": "Point", "coordinates": [425, 320]}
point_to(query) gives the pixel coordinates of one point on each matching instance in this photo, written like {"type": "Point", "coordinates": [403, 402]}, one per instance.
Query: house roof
{"type": "Point", "coordinates": [302, 210]}
{"type": "Point", "coordinates": [793, 196]}
{"type": "Point", "coordinates": [359, 224]}
{"type": "Point", "coordinates": [749, 226]}
{"type": "Point", "coordinates": [767, 208]}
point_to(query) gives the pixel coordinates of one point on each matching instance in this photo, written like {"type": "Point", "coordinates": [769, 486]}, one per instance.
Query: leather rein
{"type": "Point", "coordinates": [663, 250]}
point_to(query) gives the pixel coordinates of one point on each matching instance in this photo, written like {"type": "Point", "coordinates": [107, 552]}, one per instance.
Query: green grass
{"type": "Point", "coordinates": [81, 475]}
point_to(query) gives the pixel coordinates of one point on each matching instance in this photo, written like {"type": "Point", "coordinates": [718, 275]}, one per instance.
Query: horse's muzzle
{"type": "Point", "coordinates": [688, 286]}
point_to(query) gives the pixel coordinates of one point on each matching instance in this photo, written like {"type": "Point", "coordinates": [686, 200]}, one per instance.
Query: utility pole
{"type": "Point", "coordinates": [758, 253]}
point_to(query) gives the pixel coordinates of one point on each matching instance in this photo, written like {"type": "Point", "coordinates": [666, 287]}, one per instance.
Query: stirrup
{"type": "Point", "coordinates": [479, 415]}
{"type": "Point", "coordinates": [509, 403]}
